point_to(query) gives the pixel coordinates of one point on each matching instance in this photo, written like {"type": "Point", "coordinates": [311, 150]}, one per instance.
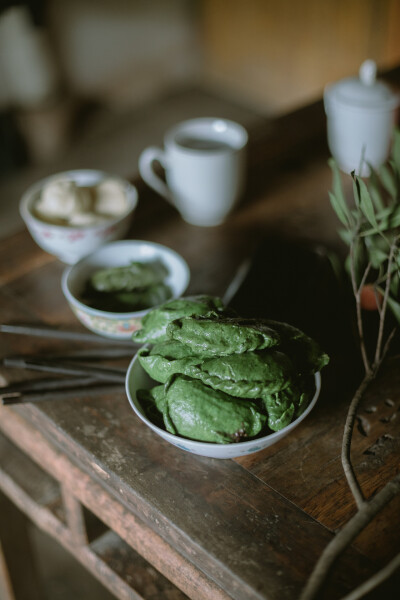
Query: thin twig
{"type": "Point", "coordinates": [364, 278]}
{"type": "Point", "coordinates": [346, 535]}
{"type": "Point", "coordinates": [375, 580]}
{"type": "Point", "coordinates": [388, 342]}
{"type": "Point", "coordinates": [347, 437]}
{"type": "Point", "coordinates": [382, 312]}
{"type": "Point", "coordinates": [236, 283]}
{"type": "Point", "coordinates": [356, 292]}
{"type": "Point", "coordinates": [349, 426]}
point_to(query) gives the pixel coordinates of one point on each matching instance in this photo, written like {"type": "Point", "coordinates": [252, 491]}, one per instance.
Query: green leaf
{"type": "Point", "coordinates": [366, 204]}
{"type": "Point", "coordinates": [335, 263]}
{"type": "Point", "coordinates": [394, 220]}
{"type": "Point", "coordinates": [377, 254]}
{"type": "Point", "coordinates": [383, 226]}
{"type": "Point", "coordinates": [384, 213]}
{"type": "Point", "coordinates": [360, 258]}
{"type": "Point", "coordinates": [347, 264]}
{"type": "Point", "coordinates": [341, 214]}
{"type": "Point", "coordinates": [394, 285]}
{"type": "Point", "coordinates": [396, 151]}
{"type": "Point", "coordinates": [375, 189]}
{"type": "Point", "coordinates": [388, 181]}
{"type": "Point", "coordinates": [346, 235]}
{"type": "Point", "coordinates": [395, 308]}
{"type": "Point", "coordinates": [337, 196]}
{"type": "Point", "coordinates": [356, 189]}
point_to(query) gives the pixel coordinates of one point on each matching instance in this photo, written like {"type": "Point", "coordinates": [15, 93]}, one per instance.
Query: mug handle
{"type": "Point", "coordinates": [146, 160]}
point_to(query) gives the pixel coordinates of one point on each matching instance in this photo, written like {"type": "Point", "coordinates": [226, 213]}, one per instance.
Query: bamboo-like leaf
{"type": "Point", "coordinates": [384, 213]}
{"type": "Point", "coordinates": [336, 265]}
{"type": "Point", "coordinates": [394, 220]}
{"type": "Point", "coordinates": [395, 308]}
{"type": "Point", "coordinates": [347, 265]}
{"type": "Point", "coordinates": [378, 249]}
{"type": "Point", "coordinates": [337, 196]}
{"type": "Point", "coordinates": [377, 256]}
{"type": "Point", "coordinates": [383, 226]}
{"type": "Point", "coordinates": [396, 151]}
{"type": "Point", "coordinates": [337, 206]}
{"type": "Point", "coordinates": [366, 204]}
{"type": "Point", "coordinates": [394, 285]}
{"type": "Point", "coordinates": [346, 235]}
{"type": "Point", "coordinates": [356, 189]}
{"type": "Point", "coordinates": [388, 180]}
{"type": "Point", "coordinates": [375, 189]}
{"type": "Point", "coordinates": [360, 259]}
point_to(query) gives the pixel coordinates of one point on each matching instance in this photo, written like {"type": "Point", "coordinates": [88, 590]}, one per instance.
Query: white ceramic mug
{"type": "Point", "coordinates": [205, 162]}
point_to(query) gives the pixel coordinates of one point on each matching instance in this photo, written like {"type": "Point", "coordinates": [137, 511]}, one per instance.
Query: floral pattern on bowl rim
{"type": "Point", "coordinates": [107, 326]}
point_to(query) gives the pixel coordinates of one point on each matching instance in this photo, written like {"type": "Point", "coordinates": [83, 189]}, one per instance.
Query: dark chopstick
{"type": "Point", "coordinates": [48, 331]}
{"type": "Point", "coordinates": [73, 355]}
{"type": "Point", "coordinates": [45, 384]}
{"type": "Point", "coordinates": [65, 368]}
{"type": "Point", "coordinates": [238, 279]}
{"type": "Point", "coordinates": [25, 398]}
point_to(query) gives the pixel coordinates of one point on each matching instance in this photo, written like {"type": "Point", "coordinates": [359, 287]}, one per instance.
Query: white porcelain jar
{"type": "Point", "coordinates": [361, 114]}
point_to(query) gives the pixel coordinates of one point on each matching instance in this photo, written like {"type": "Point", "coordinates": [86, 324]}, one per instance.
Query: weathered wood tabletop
{"type": "Point", "coordinates": [250, 528]}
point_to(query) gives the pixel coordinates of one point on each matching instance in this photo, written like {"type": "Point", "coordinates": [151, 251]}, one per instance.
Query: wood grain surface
{"type": "Point", "coordinates": [250, 528]}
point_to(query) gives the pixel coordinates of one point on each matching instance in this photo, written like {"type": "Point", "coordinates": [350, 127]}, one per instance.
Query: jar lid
{"type": "Point", "coordinates": [363, 92]}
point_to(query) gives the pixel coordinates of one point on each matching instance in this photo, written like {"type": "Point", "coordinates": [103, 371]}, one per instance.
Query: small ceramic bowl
{"type": "Point", "coordinates": [71, 243]}
{"type": "Point", "coordinates": [116, 254]}
{"type": "Point", "coordinates": [137, 378]}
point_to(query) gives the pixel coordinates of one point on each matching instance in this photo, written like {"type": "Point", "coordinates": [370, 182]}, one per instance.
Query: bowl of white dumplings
{"type": "Point", "coordinates": [73, 213]}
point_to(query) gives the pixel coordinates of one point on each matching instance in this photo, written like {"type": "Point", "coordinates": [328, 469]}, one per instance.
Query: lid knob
{"type": "Point", "coordinates": [367, 72]}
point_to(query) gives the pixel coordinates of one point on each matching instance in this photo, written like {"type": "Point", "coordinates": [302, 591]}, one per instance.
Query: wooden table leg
{"type": "Point", "coordinates": [19, 579]}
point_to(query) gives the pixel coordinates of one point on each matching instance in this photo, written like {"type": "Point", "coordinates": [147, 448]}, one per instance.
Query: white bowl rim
{"type": "Point", "coordinates": [118, 316]}
{"type": "Point", "coordinates": [29, 217]}
{"type": "Point", "coordinates": [242, 446]}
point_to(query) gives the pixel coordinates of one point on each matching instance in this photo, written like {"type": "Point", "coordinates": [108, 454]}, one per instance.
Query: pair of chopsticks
{"type": "Point", "coordinates": [72, 376]}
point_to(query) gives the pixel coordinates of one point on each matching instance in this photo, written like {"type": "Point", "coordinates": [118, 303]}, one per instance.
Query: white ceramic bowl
{"type": "Point", "coordinates": [116, 254]}
{"type": "Point", "coordinates": [71, 243]}
{"type": "Point", "coordinates": [137, 378]}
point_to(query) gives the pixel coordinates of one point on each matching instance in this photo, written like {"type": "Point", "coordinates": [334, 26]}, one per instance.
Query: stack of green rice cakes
{"type": "Point", "coordinates": [222, 378]}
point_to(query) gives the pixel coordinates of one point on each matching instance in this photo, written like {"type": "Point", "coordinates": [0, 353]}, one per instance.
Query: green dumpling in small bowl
{"type": "Point", "coordinates": [208, 336]}
{"type": "Point", "coordinates": [154, 324]}
{"type": "Point", "coordinates": [288, 404]}
{"type": "Point", "coordinates": [247, 375]}
{"type": "Point", "coordinates": [195, 411]}
{"type": "Point", "coordinates": [129, 277]}
{"type": "Point", "coordinates": [165, 359]}
{"type": "Point", "coordinates": [304, 352]}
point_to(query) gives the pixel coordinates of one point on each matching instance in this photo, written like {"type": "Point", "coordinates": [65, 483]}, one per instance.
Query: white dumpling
{"type": "Point", "coordinates": [62, 198]}
{"type": "Point", "coordinates": [89, 218]}
{"type": "Point", "coordinates": [110, 198]}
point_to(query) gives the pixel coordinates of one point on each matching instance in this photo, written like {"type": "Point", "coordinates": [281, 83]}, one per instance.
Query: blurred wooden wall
{"type": "Point", "coordinates": [279, 54]}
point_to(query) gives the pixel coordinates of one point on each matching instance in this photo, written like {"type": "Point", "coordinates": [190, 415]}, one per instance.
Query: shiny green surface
{"type": "Point", "coordinates": [130, 277]}
{"type": "Point", "coordinates": [208, 336]}
{"type": "Point", "coordinates": [195, 411]}
{"type": "Point", "coordinates": [154, 324]}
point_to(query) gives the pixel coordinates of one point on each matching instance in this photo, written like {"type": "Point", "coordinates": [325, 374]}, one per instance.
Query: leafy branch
{"type": "Point", "coordinates": [370, 226]}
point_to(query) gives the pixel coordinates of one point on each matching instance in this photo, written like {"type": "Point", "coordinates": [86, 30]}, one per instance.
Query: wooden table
{"type": "Point", "coordinates": [152, 521]}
